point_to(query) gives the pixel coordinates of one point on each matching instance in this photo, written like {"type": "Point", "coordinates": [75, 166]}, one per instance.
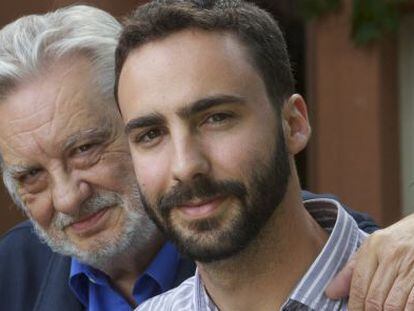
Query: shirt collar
{"type": "Point", "coordinates": [344, 239]}
{"type": "Point", "coordinates": [164, 266]}
{"type": "Point", "coordinates": [162, 270]}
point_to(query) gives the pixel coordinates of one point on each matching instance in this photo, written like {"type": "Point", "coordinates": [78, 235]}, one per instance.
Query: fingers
{"type": "Point", "coordinates": [340, 285]}
{"type": "Point", "coordinates": [383, 277]}
{"type": "Point", "coordinates": [401, 294]}
{"type": "Point", "coordinates": [381, 284]}
{"type": "Point", "coordinates": [383, 271]}
{"type": "Point", "coordinates": [410, 301]}
{"type": "Point", "coordinates": [364, 271]}
{"type": "Point", "coordinates": [398, 296]}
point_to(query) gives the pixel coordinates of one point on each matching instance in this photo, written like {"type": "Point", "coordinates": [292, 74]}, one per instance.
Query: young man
{"type": "Point", "coordinates": [67, 165]}
{"type": "Point", "coordinates": [207, 95]}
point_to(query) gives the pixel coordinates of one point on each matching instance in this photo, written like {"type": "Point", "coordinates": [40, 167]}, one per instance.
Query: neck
{"type": "Point", "coordinates": [124, 270]}
{"type": "Point", "coordinates": [262, 275]}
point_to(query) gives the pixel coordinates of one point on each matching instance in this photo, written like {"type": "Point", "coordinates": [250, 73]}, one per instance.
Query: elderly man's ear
{"type": "Point", "coordinates": [296, 126]}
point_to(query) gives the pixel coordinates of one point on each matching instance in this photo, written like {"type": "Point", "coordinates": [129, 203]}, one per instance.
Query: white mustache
{"type": "Point", "coordinates": [89, 207]}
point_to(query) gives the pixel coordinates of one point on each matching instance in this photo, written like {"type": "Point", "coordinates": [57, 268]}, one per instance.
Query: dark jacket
{"type": "Point", "coordinates": [34, 278]}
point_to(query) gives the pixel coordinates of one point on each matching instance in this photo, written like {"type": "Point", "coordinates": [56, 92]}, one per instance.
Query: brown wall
{"type": "Point", "coordinates": [9, 11]}
{"type": "Point", "coordinates": [353, 92]}
{"type": "Point", "coordinates": [9, 215]}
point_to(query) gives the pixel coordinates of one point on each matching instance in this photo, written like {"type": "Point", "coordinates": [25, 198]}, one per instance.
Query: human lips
{"type": "Point", "coordinates": [89, 223]}
{"type": "Point", "coordinates": [200, 208]}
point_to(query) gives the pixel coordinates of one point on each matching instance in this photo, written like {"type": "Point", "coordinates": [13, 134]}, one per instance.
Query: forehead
{"type": "Point", "coordinates": [41, 113]}
{"type": "Point", "coordinates": [183, 67]}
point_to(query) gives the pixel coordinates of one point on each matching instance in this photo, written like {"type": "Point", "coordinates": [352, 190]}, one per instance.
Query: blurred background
{"type": "Point", "coordinates": [354, 63]}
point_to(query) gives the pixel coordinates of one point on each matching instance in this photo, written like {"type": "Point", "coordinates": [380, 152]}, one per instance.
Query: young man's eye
{"type": "Point", "coordinates": [218, 118]}
{"type": "Point", "coordinates": [149, 138]}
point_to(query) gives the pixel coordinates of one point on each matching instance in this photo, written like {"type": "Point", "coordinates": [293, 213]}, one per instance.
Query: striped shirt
{"type": "Point", "coordinates": [308, 295]}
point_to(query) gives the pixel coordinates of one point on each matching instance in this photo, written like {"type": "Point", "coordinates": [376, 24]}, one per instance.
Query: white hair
{"type": "Point", "coordinates": [31, 43]}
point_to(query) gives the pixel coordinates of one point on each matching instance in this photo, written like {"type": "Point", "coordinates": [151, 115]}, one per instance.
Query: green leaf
{"type": "Point", "coordinates": [316, 8]}
{"type": "Point", "coordinates": [371, 19]}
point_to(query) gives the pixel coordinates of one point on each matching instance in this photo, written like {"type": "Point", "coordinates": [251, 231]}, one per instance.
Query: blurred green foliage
{"type": "Point", "coordinates": [371, 19]}
{"type": "Point", "coordinates": [315, 8]}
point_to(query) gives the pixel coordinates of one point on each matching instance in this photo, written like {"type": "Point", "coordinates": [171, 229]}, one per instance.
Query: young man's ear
{"type": "Point", "coordinates": [296, 124]}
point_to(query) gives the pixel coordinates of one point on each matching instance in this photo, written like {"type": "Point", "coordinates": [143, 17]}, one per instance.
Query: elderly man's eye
{"type": "Point", "coordinates": [30, 177]}
{"type": "Point", "coordinates": [85, 155]}
{"type": "Point", "coordinates": [84, 148]}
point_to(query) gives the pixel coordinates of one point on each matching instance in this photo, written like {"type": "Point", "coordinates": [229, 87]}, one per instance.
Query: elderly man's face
{"type": "Point", "coordinates": [64, 148]}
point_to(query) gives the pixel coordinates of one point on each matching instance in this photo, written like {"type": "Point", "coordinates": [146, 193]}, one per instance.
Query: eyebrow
{"type": "Point", "coordinates": [16, 170]}
{"type": "Point", "coordinates": [89, 134]}
{"type": "Point", "coordinates": [198, 106]}
{"type": "Point", "coordinates": [207, 103]}
{"type": "Point", "coordinates": [144, 121]}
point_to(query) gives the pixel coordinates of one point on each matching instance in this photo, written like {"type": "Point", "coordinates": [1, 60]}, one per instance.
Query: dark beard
{"type": "Point", "coordinates": [258, 200]}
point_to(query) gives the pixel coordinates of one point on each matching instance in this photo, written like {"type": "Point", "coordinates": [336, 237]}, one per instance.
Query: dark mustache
{"type": "Point", "coordinates": [200, 188]}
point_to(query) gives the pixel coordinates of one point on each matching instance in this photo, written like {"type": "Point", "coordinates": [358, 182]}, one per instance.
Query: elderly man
{"type": "Point", "coordinates": [207, 95]}
{"type": "Point", "coordinates": [66, 164]}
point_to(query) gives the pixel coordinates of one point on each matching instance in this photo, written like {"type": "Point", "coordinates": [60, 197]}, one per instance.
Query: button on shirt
{"type": "Point", "coordinates": [94, 291]}
{"type": "Point", "coordinates": [308, 295]}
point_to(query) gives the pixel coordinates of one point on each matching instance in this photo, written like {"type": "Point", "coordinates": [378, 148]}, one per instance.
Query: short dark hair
{"type": "Point", "coordinates": [254, 27]}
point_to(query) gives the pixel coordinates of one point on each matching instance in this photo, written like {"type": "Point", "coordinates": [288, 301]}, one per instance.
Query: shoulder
{"type": "Point", "coordinates": [21, 240]}
{"type": "Point", "coordinates": [22, 229]}
{"type": "Point", "coordinates": [26, 265]}
{"type": "Point", "coordinates": [364, 221]}
{"type": "Point", "coordinates": [179, 298]}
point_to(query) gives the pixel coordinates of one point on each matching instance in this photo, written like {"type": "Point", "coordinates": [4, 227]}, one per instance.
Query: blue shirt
{"type": "Point", "coordinates": [94, 291]}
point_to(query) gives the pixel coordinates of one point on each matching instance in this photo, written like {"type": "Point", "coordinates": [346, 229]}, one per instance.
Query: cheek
{"type": "Point", "coordinates": [152, 173]}
{"type": "Point", "coordinates": [114, 172]}
{"type": "Point", "coordinates": [39, 208]}
{"type": "Point", "coordinates": [233, 156]}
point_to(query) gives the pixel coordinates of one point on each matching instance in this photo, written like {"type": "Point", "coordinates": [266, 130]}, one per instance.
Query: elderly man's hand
{"type": "Point", "coordinates": [380, 276]}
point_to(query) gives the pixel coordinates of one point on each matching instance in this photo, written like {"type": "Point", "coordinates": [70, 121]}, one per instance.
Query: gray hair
{"type": "Point", "coordinates": [31, 43]}
{"type": "Point", "coordinates": [11, 186]}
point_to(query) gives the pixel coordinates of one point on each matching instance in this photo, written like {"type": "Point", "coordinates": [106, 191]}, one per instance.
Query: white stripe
{"type": "Point", "coordinates": [314, 281]}
{"type": "Point", "coordinates": [346, 242]}
{"type": "Point", "coordinates": [344, 238]}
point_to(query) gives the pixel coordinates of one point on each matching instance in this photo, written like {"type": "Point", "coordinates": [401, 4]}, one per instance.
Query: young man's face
{"type": "Point", "coordinates": [64, 149]}
{"type": "Point", "coordinates": [206, 143]}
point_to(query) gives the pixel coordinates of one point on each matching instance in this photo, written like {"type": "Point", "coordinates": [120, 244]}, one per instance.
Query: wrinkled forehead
{"type": "Point", "coordinates": [40, 115]}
